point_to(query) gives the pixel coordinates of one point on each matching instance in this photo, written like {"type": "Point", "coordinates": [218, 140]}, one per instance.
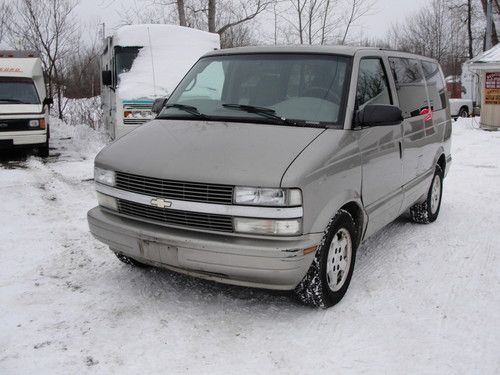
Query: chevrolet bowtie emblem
{"type": "Point", "coordinates": [160, 203]}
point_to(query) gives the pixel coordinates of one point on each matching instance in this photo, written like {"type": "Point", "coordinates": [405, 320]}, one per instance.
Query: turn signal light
{"type": "Point", "coordinates": [42, 123]}
{"type": "Point", "coordinates": [309, 250]}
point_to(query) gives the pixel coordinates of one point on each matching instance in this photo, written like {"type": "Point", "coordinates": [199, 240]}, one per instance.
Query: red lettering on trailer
{"type": "Point", "coordinates": [7, 69]}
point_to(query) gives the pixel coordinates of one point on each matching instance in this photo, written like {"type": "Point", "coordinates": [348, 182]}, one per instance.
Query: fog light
{"type": "Point", "coordinates": [107, 201]}
{"type": "Point", "coordinates": [289, 227]}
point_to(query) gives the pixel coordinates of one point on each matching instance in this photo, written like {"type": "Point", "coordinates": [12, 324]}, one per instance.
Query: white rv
{"type": "Point", "coordinates": [141, 63]}
{"type": "Point", "coordinates": [23, 102]}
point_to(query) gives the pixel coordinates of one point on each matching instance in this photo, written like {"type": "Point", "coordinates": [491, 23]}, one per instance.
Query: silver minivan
{"type": "Point", "coordinates": [268, 166]}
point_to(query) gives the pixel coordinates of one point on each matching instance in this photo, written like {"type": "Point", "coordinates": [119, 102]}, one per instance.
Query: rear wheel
{"type": "Point", "coordinates": [428, 211]}
{"type": "Point", "coordinates": [464, 112]}
{"type": "Point", "coordinates": [328, 278]}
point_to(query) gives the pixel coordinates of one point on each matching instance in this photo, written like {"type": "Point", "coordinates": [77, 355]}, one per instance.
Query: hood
{"type": "Point", "coordinates": [209, 152]}
{"type": "Point", "coordinates": [14, 109]}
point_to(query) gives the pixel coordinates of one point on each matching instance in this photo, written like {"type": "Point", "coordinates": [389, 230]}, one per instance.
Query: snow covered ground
{"type": "Point", "coordinates": [424, 298]}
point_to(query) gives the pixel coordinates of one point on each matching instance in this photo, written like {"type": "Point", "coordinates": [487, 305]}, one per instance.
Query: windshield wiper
{"type": "Point", "coordinates": [186, 108]}
{"type": "Point", "coordinates": [12, 100]}
{"type": "Point", "coordinates": [263, 111]}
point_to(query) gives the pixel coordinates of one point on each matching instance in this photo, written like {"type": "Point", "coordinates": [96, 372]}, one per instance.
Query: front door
{"type": "Point", "coordinates": [380, 149]}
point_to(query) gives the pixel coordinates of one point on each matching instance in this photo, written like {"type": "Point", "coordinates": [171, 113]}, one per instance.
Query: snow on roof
{"type": "Point", "coordinates": [487, 59]}
{"type": "Point", "coordinates": [168, 53]}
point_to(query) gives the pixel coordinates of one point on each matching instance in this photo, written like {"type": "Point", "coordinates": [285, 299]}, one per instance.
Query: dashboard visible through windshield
{"type": "Point", "coordinates": [308, 90]}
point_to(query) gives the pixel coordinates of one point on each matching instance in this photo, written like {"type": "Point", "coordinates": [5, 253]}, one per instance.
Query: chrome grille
{"type": "Point", "coordinates": [182, 218]}
{"type": "Point", "coordinates": [186, 191]}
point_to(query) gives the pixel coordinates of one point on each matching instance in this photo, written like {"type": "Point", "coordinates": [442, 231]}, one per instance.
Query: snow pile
{"type": "Point", "coordinates": [169, 52]}
{"type": "Point", "coordinates": [75, 142]}
{"type": "Point", "coordinates": [86, 111]}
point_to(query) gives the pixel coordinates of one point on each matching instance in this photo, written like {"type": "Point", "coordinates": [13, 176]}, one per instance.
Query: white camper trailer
{"type": "Point", "coordinates": [23, 102]}
{"type": "Point", "coordinates": [141, 63]}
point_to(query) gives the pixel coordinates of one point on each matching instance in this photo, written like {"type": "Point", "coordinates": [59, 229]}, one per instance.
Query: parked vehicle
{"type": "Point", "coordinates": [141, 63]}
{"type": "Point", "coordinates": [461, 108]}
{"type": "Point", "coordinates": [268, 166]}
{"type": "Point", "coordinates": [24, 116]}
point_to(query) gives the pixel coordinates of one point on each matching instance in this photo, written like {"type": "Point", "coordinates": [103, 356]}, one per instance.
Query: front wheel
{"type": "Point", "coordinates": [428, 211]}
{"type": "Point", "coordinates": [328, 278]}
{"type": "Point", "coordinates": [464, 112]}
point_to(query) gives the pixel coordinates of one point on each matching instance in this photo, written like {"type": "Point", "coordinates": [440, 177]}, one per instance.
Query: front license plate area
{"type": "Point", "coordinates": [158, 252]}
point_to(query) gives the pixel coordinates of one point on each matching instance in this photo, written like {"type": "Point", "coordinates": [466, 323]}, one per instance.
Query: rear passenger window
{"type": "Point", "coordinates": [435, 85]}
{"type": "Point", "coordinates": [372, 83]}
{"type": "Point", "coordinates": [410, 85]}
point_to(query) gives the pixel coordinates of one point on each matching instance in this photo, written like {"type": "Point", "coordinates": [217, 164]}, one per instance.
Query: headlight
{"type": "Point", "coordinates": [288, 227]}
{"type": "Point", "coordinates": [34, 124]}
{"type": "Point", "coordinates": [267, 196]}
{"type": "Point", "coordinates": [107, 201]}
{"type": "Point", "coordinates": [104, 176]}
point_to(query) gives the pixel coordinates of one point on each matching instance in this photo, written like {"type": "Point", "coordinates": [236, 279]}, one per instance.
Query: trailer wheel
{"type": "Point", "coordinates": [464, 112]}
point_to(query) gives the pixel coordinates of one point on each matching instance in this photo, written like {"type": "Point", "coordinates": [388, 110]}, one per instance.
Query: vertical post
{"type": "Point", "coordinates": [489, 25]}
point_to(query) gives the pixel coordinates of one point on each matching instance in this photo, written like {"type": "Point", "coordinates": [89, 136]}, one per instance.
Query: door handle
{"type": "Point", "coordinates": [400, 150]}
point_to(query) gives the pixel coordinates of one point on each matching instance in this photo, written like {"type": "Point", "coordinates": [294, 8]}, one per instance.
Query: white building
{"type": "Point", "coordinates": [487, 68]}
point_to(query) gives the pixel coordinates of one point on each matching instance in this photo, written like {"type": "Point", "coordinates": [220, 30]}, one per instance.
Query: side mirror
{"type": "Point", "coordinates": [106, 77]}
{"type": "Point", "coordinates": [48, 101]}
{"type": "Point", "coordinates": [379, 115]}
{"type": "Point", "coordinates": [158, 105]}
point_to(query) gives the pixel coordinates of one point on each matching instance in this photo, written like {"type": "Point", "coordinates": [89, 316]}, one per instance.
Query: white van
{"type": "Point", "coordinates": [141, 63]}
{"type": "Point", "coordinates": [23, 102]}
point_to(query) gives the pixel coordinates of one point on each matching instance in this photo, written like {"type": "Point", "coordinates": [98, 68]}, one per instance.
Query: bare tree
{"type": "Point", "coordinates": [321, 21]}
{"type": "Point", "coordinates": [49, 28]}
{"type": "Point", "coordinates": [496, 9]}
{"type": "Point", "coordinates": [358, 9]}
{"type": "Point", "coordinates": [5, 14]}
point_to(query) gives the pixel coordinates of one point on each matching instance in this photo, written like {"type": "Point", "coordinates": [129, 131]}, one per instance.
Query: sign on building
{"type": "Point", "coordinates": [492, 88]}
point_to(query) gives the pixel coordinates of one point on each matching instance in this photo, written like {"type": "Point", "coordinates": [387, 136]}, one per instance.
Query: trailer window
{"type": "Point", "coordinates": [16, 90]}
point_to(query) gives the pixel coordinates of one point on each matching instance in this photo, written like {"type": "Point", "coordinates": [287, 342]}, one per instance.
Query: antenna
{"type": "Point", "coordinates": [152, 63]}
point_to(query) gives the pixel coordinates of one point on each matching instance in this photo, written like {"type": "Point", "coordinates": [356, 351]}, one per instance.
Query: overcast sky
{"type": "Point", "coordinates": [385, 12]}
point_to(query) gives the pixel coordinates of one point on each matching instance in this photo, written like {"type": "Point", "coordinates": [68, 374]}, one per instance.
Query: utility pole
{"type": "Point", "coordinates": [489, 25]}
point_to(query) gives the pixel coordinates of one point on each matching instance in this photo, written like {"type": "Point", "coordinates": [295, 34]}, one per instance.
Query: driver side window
{"type": "Point", "coordinates": [373, 87]}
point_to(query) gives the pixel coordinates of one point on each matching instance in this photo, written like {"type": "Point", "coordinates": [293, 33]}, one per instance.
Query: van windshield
{"type": "Point", "coordinates": [285, 88]}
{"type": "Point", "coordinates": [17, 90]}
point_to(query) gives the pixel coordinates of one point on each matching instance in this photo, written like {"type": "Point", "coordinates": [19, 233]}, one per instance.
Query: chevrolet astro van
{"type": "Point", "coordinates": [268, 166]}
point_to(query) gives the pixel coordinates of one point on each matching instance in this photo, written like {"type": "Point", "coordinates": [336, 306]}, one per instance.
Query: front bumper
{"type": "Point", "coordinates": [261, 263]}
{"type": "Point", "coordinates": [29, 137]}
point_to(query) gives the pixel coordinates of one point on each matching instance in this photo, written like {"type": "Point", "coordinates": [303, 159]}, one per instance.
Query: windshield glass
{"type": "Point", "coordinates": [124, 58]}
{"type": "Point", "coordinates": [15, 90]}
{"type": "Point", "coordinates": [264, 87]}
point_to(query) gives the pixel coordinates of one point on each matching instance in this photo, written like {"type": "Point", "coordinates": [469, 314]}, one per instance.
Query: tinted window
{"type": "Point", "coordinates": [372, 83]}
{"type": "Point", "coordinates": [18, 91]}
{"type": "Point", "coordinates": [298, 87]}
{"type": "Point", "coordinates": [435, 85]}
{"type": "Point", "coordinates": [410, 85]}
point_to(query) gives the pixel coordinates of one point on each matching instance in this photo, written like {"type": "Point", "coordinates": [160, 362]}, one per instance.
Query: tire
{"type": "Point", "coordinates": [428, 211]}
{"type": "Point", "coordinates": [464, 112]}
{"type": "Point", "coordinates": [319, 288]}
{"type": "Point", "coordinates": [130, 261]}
{"type": "Point", "coordinates": [43, 150]}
